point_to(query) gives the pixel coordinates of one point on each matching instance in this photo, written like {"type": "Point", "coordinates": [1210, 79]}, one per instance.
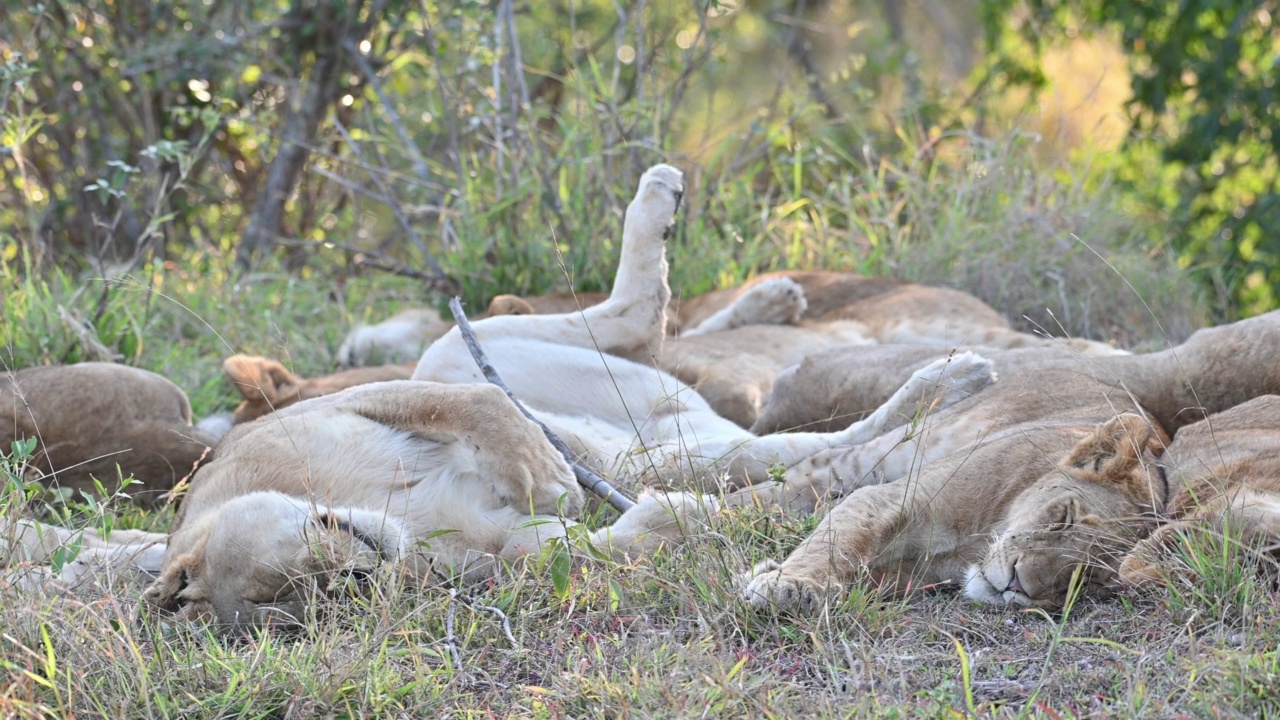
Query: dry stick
{"type": "Point", "coordinates": [586, 478]}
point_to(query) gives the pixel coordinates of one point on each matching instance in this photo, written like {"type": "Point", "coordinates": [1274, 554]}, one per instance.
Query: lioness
{"type": "Point", "coordinates": [931, 526]}
{"type": "Point", "coordinates": [444, 478]}
{"type": "Point", "coordinates": [331, 485]}
{"type": "Point", "coordinates": [102, 421]}
{"type": "Point", "coordinates": [965, 473]}
{"type": "Point", "coordinates": [1224, 472]}
{"type": "Point", "coordinates": [1214, 369]}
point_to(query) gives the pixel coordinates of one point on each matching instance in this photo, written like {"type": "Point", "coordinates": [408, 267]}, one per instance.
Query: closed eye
{"type": "Point", "coordinates": [1065, 520]}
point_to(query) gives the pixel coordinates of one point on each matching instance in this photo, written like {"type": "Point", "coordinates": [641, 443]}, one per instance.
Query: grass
{"type": "Point", "coordinates": [653, 640]}
{"type": "Point", "coordinates": [659, 639]}
{"type": "Point", "coordinates": [1049, 243]}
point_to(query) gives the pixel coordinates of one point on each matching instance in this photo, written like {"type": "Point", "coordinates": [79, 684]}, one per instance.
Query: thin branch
{"type": "Point", "coordinates": [389, 110]}
{"type": "Point", "coordinates": [586, 478]}
{"type": "Point", "coordinates": [442, 279]}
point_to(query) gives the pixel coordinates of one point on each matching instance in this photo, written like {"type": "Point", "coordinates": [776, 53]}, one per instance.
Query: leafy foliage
{"type": "Point", "coordinates": [1204, 75]}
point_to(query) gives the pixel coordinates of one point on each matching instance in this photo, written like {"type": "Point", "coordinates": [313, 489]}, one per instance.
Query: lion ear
{"type": "Point", "coordinates": [1115, 447]}
{"type": "Point", "coordinates": [257, 377]}
{"type": "Point", "coordinates": [163, 593]}
{"type": "Point", "coordinates": [510, 305]}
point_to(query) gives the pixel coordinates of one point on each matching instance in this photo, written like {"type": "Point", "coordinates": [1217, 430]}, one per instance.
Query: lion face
{"type": "Point", "coordinates": [1080, 518]}
{"type": "Point", "coordinates": [267, 386]}
{"type": "Point", "coordinates": [263, 557]}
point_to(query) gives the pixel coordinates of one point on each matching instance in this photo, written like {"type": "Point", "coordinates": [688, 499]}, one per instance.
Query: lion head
{"type": "Point", "coordinates": [1080, 518]}
{"type": "Point", "coordinates": [267, 386]}
{"type": "Point", "coordinates": [272, 554]}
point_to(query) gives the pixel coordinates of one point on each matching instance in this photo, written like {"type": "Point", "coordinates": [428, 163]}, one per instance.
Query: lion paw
{"type": "Point", "coordinates": [766, 587]}
{"type": "Point", "coordinates": [1151, 562]}
{"type": "Point", "coordinates": [775, 301]}
{"type": "Point", "coordinates": [957, 377]}
{"type": "Point", "coordinates": [657, 519]}
{"type": "Point", "coordinates": [653, 210]}
{"type": "Point", "coordinates": [553, 488]}
{"type": "Point", "coordinates": [1136, 571]}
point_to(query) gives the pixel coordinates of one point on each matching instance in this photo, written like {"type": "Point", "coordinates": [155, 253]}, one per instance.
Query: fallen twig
{"type": "Point", "coordinates": [586, 478]}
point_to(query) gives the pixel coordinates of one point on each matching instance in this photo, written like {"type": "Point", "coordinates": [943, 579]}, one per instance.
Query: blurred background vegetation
{"type": "Point", "coordinates": [1069, 161]}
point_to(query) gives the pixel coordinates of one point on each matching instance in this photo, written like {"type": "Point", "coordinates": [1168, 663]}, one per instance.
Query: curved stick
{"type": "Point", "coordinates": [586, 478]}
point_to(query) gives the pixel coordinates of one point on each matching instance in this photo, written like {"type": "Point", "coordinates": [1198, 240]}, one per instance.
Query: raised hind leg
{"type": "Point", "coordinates": [934, 387]}
{"type": "Point", "coordinates": [631, 323]}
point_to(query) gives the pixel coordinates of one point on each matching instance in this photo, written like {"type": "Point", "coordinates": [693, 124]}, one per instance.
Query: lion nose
{"type": "Point", "coordinates": [1014, 585]}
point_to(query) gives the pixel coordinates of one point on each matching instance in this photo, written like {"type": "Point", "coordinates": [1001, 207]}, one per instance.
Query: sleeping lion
{"type": "Point", "coordinates": [957, 499]}
{"type": "Point", "coordinates": [442, 473]}
{"type": "Point", "coordinates": [1219, 476]}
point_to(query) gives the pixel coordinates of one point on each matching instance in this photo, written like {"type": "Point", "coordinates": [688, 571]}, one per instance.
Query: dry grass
{"type": "Point", "coordinates": [664, 639]}
{"type": "Point", "coordinates": [652, 640]}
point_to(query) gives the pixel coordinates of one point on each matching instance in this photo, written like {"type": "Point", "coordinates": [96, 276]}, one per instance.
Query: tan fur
{"type": "Point", "coordinates": [1225, 476]}
{"type": "Point", "coordinates": [939, 517]}
{"type": "Point", "coordinates": [549, 304]}
{"type": "Point", "coordinates": [735, 370]}
{"type": "Point", "coordinates": [1077, 522]}
{"type": "Point", "coordinates": [316, 492]}
{"type": "Point", "coordinates": [266, 385]}
{"type": "Point", "coordinates": [830, 388]}
{"type": "Point", "coordinates": [444, 478]}
{"type": "Point", "coordinates": [1215, 369]}
{"type": "Point", "coordinates": [889, 311]}
{"type": "Point", "coordinates": [949, 481]}
{"type": "Point", "coordinates": [92, 417]}
{"type": "Point", "coordinates": [733, 366]}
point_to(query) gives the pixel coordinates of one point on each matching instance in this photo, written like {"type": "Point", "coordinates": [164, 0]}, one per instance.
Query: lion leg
{"type": "Point", "coordinates": [506, 448]}
{"type": "Point", "coordinates": [901, 428]}
{"type": "Point", "coordinates": [866, 532]}
{"type": "Point", "coordinates": [88, 557]}
{"type": "Point", "coordinates": [938, 385]}
{"type": "Point", "coordinates": [657, 519]}
{"type": "Point", "coordinates": [1245, 518]}
{"type": "Point", "coordinates": [775, 301]}
{"type": "Point", "coordinates": [632, 322]}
